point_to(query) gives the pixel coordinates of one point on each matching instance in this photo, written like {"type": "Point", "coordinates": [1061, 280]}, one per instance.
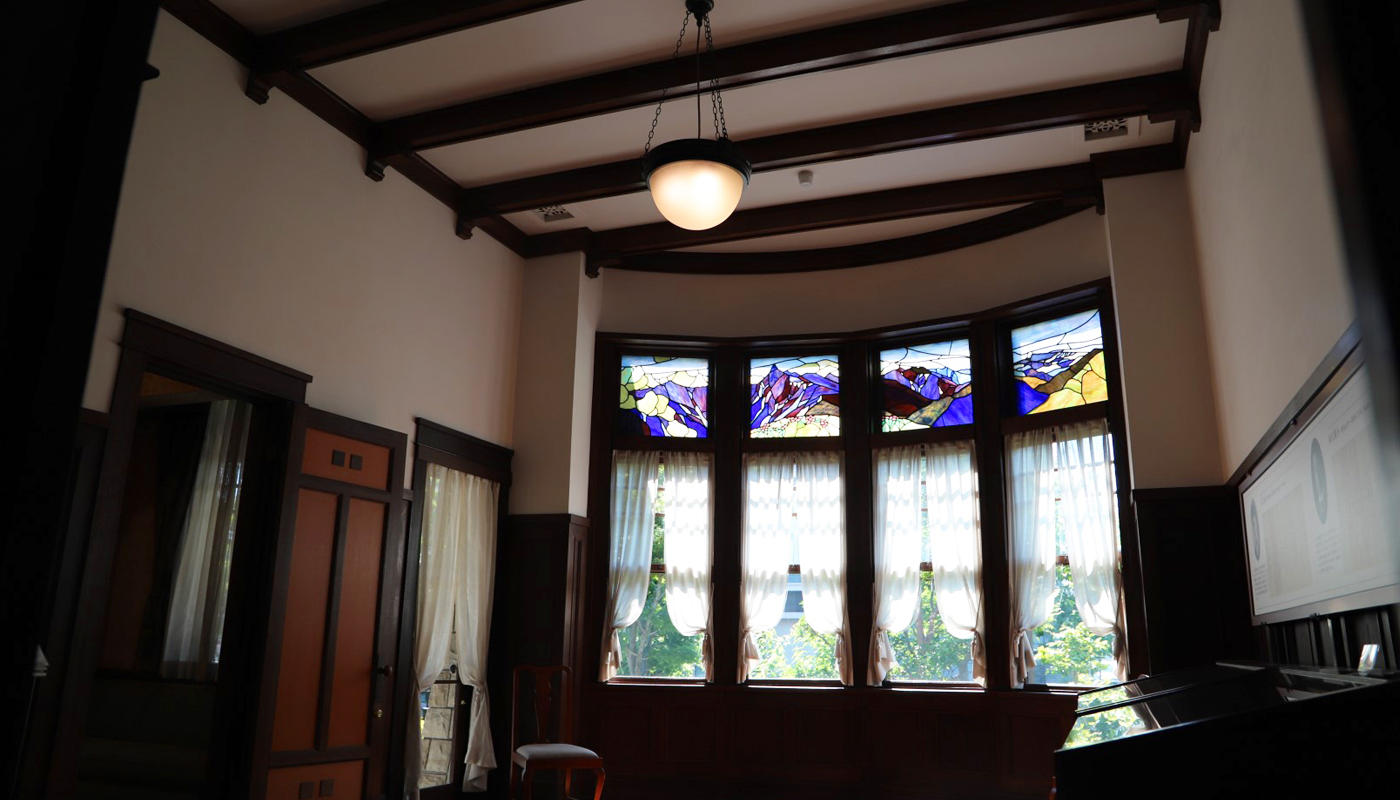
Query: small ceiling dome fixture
{"type": "Point", "coordinates": [696, 183]}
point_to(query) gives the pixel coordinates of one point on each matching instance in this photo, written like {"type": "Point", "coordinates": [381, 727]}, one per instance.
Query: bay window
{"type": "Point", "coordinates": [807, 529]}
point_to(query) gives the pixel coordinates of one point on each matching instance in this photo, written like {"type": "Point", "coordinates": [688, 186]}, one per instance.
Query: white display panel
{"type": "Point", "coordinates": [1315, 523]}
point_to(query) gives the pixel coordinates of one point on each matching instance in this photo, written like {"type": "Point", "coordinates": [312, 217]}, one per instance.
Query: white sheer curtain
{"type": "Point", "coordinates": [456, 578]}
{"type": "Point", "coordinates": [955, 545]}
{"type": "Point", "coordinates": [898, 546]}
{"type": "Point", "coordinates": [787, 495]}
{"type": "Point", "coordinates": [687, 544]}
{"type": "Point", "coordinates": [194, 627]}
{"type": "Point", "coordinates": [629, 560]}
{"type": "Point", "coordinates": [1032, 546]}
{"type": "Point", "coordinates": [476, 580]}
{"type": "Point", "coordinates": [767, 551]}
{"type": "Point", "coordinates": [1084, 455]}
{"type": "Point", "coordinates": [820, 519]}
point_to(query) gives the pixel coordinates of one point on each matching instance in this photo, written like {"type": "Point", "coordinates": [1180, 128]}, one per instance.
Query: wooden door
{"type": "Point", "coordinates": [324, 727]}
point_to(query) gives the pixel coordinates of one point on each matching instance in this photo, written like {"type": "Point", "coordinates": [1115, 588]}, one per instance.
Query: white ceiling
{"type": "Point", "coordinates": [598, 35]}
{"type": "Point", "coordinates": [1050, 148]}
{"type": "Point", "coordinates": [567, 42]}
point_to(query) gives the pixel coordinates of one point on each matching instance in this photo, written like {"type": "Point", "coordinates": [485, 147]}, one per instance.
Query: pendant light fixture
{"type": "Point", "coordinates": [696, 183]}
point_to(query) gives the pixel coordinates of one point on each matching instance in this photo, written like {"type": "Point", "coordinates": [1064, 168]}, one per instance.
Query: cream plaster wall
{"type": "Point", "coordinates": [1167, 384]}
{"type": "Point", "coordinates": [1275, 292]}
{"type": "Point", "coordinates": [1038, 261]}
{"type": "Point", "coordinates": [255, 225]}
{"type": "Point", "coordinates": [559, 316]}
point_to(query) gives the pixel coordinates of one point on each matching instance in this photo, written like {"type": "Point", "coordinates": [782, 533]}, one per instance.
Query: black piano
{"type": "Point", "coordinates": [1237, 730]}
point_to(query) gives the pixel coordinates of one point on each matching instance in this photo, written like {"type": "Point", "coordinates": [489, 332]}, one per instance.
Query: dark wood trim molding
{"type": "Point", "coordinates": [1160, 97]}
{"type": "Point", "coordinates": [439, 444]}
{"type": "Point", "coordinates": [857, 255]}
{"type": "Point", "coordinates": [836, 47]}
{"type": "Point", "coordinates": [211, 359]}
{"type": "Point", "coordinates": [1204, 17]}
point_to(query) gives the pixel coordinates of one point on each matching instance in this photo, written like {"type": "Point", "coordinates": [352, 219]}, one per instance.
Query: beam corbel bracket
{"type": "Point", "coordinates": [594, 263]}
{"type": "Point", "coordinates": [1175, 10]}
{"type": "Point", "coordinates": [258, 86]}
{"type": "Point", "coordinates": [1191, 116]}
{"type": "Point", "coordinates": [468, 222]}
{"type": "Point", "coordinates": [375, 164]}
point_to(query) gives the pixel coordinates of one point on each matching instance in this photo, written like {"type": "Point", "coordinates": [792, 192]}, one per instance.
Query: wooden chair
{"type": "Point", "coordinates": [543, 754]}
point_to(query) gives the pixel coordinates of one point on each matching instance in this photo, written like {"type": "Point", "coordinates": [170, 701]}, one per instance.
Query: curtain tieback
{"type": "Point", "coordinates": [884, 660]}
{"type": "Point", "coordinates": [1023, 655]}
{"type": "Point", "coordinates": [842, 667]}
{"type": "Point", "coordinates": [612, 654]}
{"type": "Point", "coordinates": [748, 647]}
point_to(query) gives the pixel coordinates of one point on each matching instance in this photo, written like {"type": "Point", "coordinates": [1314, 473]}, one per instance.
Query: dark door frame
{"type": "Point", "coordinates": [439, 444]}
{"type": "Point", "coordinates": [150, 344]}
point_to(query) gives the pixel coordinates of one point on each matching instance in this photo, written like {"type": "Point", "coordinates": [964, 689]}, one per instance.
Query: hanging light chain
{"type": "Point", "coordinates": [716, 98]}
{"type": "Point", "coordinates": [680, 40]}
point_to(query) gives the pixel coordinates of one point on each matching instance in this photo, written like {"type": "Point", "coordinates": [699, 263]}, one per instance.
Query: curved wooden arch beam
{"type": "Point", "coordinates": [855, 255]}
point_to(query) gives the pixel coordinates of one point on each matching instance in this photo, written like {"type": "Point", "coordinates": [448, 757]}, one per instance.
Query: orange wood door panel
{"type": "Point", "coordinates": [341, 458]}
{"type": "Point", "coordinates": [327, 708]}
{"type": "Point", "coordinates": [342, 781]}
{"type": "Point", "coordinates": [355, 668]}
{"type": "Point", "coordinates": [304, 624]}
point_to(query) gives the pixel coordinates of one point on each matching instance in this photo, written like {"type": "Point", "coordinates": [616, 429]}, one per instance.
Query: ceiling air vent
{"type": "Point", "coordinates": [1105, 129]}
{"type": "Point", "coordinates": [553, 213]}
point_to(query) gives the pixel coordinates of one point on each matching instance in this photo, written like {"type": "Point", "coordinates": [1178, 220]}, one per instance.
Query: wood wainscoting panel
{"type": "Point", "coordinates": [339, 781]}
{"type": "Point", "coordinates": [760, 742]}
{"type": "Point", "coordinates": [826, 741]}
{"type": "Point", "coordinates": [341, 458]}
{"type": "Point", "coordinates": [688, 733]}
{"type": "Point", "coordinates": [626, 729]}
{"type": "Point", "coordinates": [353, 684]}
{"type": "Point", "coordinates": [1028, 736]}
{"type": "Point", "coordinates": [965, 742]}
{"type": "Point", "coordinates": [764, 747]}
{"type": "Point", "coordinates": [895, 740]}
{"type": "Point", "coordinates": [304, 625]}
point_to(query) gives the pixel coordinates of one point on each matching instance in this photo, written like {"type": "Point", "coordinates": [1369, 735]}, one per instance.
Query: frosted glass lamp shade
{"type": "Point", "coordinates": [696, 183]}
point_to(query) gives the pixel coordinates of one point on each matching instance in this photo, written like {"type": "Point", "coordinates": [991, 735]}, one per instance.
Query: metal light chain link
{"type": "Point", "coordinates": [716, 98]}
{"type": "Point", "coordinates": [657, 116]}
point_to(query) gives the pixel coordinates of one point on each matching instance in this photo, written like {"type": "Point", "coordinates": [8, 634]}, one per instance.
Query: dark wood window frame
{"type": "Point", "coordinates": [989, 335]}
{"type": "Point", "coordinates": [439, 444]}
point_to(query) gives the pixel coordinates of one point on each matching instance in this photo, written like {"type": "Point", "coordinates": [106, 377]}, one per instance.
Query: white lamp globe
{"type": "Point", "coordinates": [696, 183]}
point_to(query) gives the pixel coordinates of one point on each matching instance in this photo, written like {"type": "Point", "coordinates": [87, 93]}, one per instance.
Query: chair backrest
{"type": "Point", "coordinates": [543, 702]}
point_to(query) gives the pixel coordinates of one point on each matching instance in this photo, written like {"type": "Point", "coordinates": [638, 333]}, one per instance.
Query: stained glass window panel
{"type": "Point", "coordinates": [1059, 363]}
{"type": "Point", "coordinates": [664, 396]}
{"type": "Point", "coordinates": [794, 396]}
{"type": "Point", "coordinates": [926, 386]}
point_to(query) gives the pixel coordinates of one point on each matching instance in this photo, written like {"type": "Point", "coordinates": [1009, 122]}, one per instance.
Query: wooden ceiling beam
{"type": "Point", "coordinates": [850, 44]}
{"type": "Point", "coordinates": [1056, 183]}
{"type": "Point", "coordinates": [387, 24]}
{"type": "Point", "coordinates": [1160, 97]}
{"type": "Point", "coordinates": [855, 255]}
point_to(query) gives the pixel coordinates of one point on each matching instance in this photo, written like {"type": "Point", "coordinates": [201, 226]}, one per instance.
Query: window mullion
{"type": "Point", "coordinates": [987, 360]}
